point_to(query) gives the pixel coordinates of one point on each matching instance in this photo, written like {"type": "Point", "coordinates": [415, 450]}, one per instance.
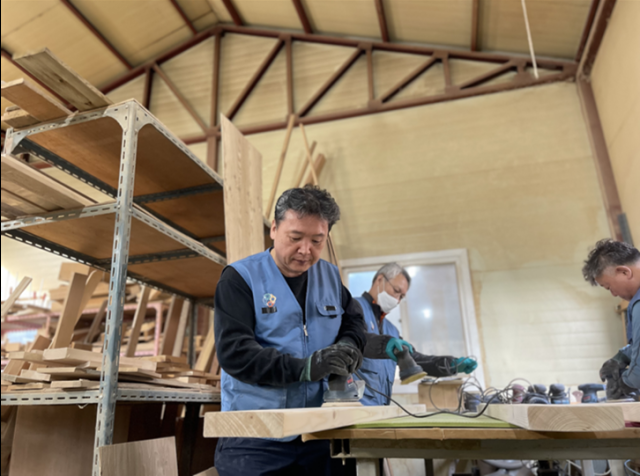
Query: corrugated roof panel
{"type": "Point", "coordinates": [442, 22]}
{"type": "Point", "coordinates": [16, 14]}
{"type": "Point", "coordinates": [268, 101]}
{"type": "Point", "coordinates": [192, 73]}
{"type": "Point", "coordinates": [556, 27]}
{"type": "Point", "coordinates": [138, 26]}
{"type": "Point", "coordinates": [313, 65]}
{"type": "Point", "coordinates": [350, 92]}
{"type": "Point", "coordinates": [220, 10]}
{"type": "Point", "coordinates": [166, 107]}
{"type": "Point", "coordinates": [389, 68]}
{"type": "Point", "coordinates": [134, 89]}
{"type": "Point", "coordinates": [274, 13]}
{"type": "Point", "coordinates": [60, 31]}
{"type": "Point", "coordinates": [241, 56]}
{"type": "Point", "coordinates": [196, 9]}
{"type": "Point", "coordinates": [344, 17]}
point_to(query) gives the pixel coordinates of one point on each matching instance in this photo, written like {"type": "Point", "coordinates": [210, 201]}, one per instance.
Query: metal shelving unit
{"type": "Point", "coordinates": [164, 229]}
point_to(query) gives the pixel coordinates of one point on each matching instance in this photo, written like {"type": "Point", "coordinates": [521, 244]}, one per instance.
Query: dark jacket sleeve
{"type": "Point", "coordinates": [434, 365]}
{"type": "Point", "coordinates": [353, 325]}
{"type": "Point", "coordinates": [239, 354]}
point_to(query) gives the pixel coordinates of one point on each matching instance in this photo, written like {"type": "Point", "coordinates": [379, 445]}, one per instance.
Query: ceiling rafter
{"type": "Point", "coordinates": [233, 11]}
{"type": "Point", "coordinates": [302, 15]}
{"type": "Point", "coordinates": [253, 82]}
{"type": "Point", "coordinates": [184, 16]}
{"type": "Point", "coordinates": [382, 20]}
{"type": "Point", "coordinates": [475, 18]}
{"type": "Point", "coordinates": [85, 21]}
{"type": "Point", "coordinates": [596, 34]}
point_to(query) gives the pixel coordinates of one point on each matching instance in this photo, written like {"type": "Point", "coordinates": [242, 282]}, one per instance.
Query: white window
{"type": "Point", "coordinates": [438, 315]}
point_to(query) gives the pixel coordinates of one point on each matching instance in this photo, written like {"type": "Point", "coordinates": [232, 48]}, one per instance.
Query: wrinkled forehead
{"type": "Point", "coordinates": [308, 224]}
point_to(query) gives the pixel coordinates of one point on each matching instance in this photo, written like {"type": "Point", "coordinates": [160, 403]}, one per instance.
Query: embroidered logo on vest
{"type": "Point", "coordinates": [269, 300]}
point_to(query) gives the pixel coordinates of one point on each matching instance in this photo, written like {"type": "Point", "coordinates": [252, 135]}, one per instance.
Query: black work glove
{"type": "Point", "coordinates": [435, 365]}
{"type": "Point", "coordinates": [376, 346]}
{"type": "Point", "coordinates": [342, 358]}
{"type": "Point", "coordinates": [617, 389]}
{"type": "Point", "coordinates": [612, 369]}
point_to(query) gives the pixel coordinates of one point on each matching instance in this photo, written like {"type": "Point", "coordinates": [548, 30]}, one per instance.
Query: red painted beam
{"type": "Point", "coordinates": [587, 28]}
{"type": "Point", "coordinates": [475, 17]}
{"type": "Point", "coordinates": [382, 20]}
{"type": "Point", "coordinates": [605, 9]}
{"type": "Point", "coordinates": [78, 14]}
{"type": "Point", "coordinates": [302, 15]}
{"type": "Point", "coordinates": [233, 11]}
{"type": "Point", "coordinates": [184, 16]}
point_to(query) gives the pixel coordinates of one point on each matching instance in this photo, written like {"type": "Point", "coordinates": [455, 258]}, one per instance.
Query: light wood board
{"type": "Point", "coordinates": [182, 326]}
{"type": "Point", "coordinates": [583, 417]}
{"type": "Point", "coordinates": [28, 178]}
{"type": "Point", "coordinates": [63, 80]}
{"type": "Point", "coordinates": [70, 312]}
{"type": "Point", "coordinates": [171, 325]}
{"type": "Point", "coordinates": [30, 98]}
{"type": "Point", "coordinates": [141, 311]}
{"type": "Point", "coordinates": [13, 297]}
{"type": "Point", "coordinates": [289, 422]}
{"type": "Point", "coordinates": [140, 458]}
{"type": "Point", "coordinates": [15, 366]}
{"type": "Point", "coordinates": [74, 357]}
{"type": "Point", "coordinates": [244, 226]}
{"type": "Point", "coordinates": [95, 324]}
{"type": "Point", "coordinates": [18, 119]}
{"type": "Point", "coordinates": [206, 354]}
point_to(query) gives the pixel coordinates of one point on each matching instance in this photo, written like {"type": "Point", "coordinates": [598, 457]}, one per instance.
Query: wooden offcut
{"type": "Point", "coordinates": [33, 100]}
{"type": "Point", "coordinates": [288, 422]}
{"type": "Point", "coordinates": [182, 326]}
{"type": "Point", "coordinates": [15, 366]}
{"type": "Point", "coordinates": [70, 312]}
{"type": "Point", "coordinates": [171, 326]}
{"type": "Point", "coordinates": [244, 226]}
{"type": "Point", "coordinates": [19, 178]}
{"type": "Point", "coordinates": [18, 119]}
{"type": "Point", "coordinates": [73, 357]}
{"type": "Point", "coordinates": [584, 417]}
{"type": "Point", "coordinates": [206, 354]}
{"type": "Point", "coordinates": [95, 324]}
{"type": "Point", "coordinates": [13, 297]}
{"type": "Point", "coordinates": [141, 458]}
{"type": "Point", "coordinates": [141, 312]}
{"type": "Point", "coordinates": [61, 79]}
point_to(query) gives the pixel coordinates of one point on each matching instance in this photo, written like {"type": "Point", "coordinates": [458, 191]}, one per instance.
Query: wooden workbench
{"type": "Point", "coordinates": [458, 438]}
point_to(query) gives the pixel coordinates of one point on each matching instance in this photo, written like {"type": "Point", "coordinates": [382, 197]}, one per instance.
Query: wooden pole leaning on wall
{"type": "Point", "coordinates": [309, 158]}
{"type": "Point", "coordinates": [283, 155]}
{"type": "Point", "coordinates": [13, 297]}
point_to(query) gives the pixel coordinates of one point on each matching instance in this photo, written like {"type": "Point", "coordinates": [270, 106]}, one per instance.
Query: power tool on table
{"type": "Point", "coordinates": [409, 370]}
{"type": "Point", "coordinates": [558, 394]}
{"type": "Point", "coordinates": [343, 390]}
{"type": "Point", "coordinates": [590, 392]}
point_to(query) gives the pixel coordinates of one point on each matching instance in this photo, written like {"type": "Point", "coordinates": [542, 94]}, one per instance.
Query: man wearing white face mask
{"type": "Point", "coordinates": [390, 285]}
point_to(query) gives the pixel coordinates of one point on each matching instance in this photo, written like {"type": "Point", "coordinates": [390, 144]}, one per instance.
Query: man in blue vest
{"type": "Point", "coordinates": [390, 285]}
{"type": "Point", "coordinates": [615, 266]}
{"type": "Point", "coordinates": [283, 323]}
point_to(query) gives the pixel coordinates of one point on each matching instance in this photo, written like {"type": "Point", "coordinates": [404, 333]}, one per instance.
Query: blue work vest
{"type": "Point", "coordinates": [377, 373]}
{"type": "Point", "coordinates": [635, 301]}
{"type": "Point", "coordinates": [279, 325]}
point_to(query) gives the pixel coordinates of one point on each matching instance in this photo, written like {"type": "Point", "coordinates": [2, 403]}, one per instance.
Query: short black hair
{"type": "Point", "coordinates": [310, 200]}
{"type": "Point", "coordinates": [607, 253]}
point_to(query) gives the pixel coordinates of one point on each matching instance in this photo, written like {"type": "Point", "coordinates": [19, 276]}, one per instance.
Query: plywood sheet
{"type": "Point", "coordinates": [195, 276]}
{"type": "Point", "coordinates": [25, 94]}
{"type": "Point", "coordinates": [294, 421]}
{"type": "Point", "coordinates": [95, 147]}
{"type": "Point", "coordinates": [202, 215]}
{"type": "Point", "coordinates": [244, 226]}
{"type": "Point", "coordinates": [140, 458]}
{"type": "Point", "coordinates": [584, 417]}
{"type": "Point", "coordinates": [93, 236]}
{"type": "Point", "coordinates": [61, 79]}
{"type": "Point", "coordinates": [18, 119]}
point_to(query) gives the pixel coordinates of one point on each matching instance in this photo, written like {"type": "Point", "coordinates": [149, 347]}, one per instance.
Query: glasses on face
{"type": "Point", "coordinates": [396, 291]}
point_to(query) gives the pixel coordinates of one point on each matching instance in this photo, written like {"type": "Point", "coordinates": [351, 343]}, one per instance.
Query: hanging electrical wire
{"type": "Point", "coordinates": [533, 55]}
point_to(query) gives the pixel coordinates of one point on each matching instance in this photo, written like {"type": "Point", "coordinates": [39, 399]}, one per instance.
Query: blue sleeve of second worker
{"type": "Point", "coordinates": [631, 376]}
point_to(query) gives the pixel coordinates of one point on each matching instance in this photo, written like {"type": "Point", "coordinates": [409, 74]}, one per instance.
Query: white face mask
{"type": "Point", "coordinates": [387, 302]}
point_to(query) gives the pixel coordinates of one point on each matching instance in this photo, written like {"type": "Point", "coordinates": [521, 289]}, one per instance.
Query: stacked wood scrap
{"type": "Point", "coordinates": [33, 106]}
{"type": "Point", "coordinates": [71, 369]}
{"type": "Point", "coordinates": [27, 191]}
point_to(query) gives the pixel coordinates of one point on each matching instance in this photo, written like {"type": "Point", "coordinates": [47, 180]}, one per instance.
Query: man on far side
{"type": "Point", "coordinates": [615, 266]}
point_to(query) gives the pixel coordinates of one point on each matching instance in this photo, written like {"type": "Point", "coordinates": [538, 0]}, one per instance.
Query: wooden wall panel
{"type": "Point", "coordinates": [389, 68]}
{"type": "Point", "coordinates": [352, 18]}
{"type": "Point", "coordinates": [350, 91]}
{"type": "Point", "coordinates": [134, 89]}
{"type": "Point", "coordinates": [273, 13]}
{"type": "Point", "coordinates": [508, 176]}
{"type": "Point", "coordinates": [616, 86]}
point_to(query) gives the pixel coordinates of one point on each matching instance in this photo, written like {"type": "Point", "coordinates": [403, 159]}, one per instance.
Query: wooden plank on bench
{"type": "Point", "coordinates": [61, 79]}
{"type": "Point", "coordinates": [33, 100]}
{"type": "Point", "coordinates": [295, 421]}
{"type": "Point", "coordinates": [583, 417]}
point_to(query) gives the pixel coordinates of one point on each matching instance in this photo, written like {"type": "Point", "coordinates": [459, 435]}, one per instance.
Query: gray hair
{"type": "Point", "coordinates": [310, 200]}
{"type": "Point", "coordinates": [608, 253]}
{"type": "Point", "coordinates": [390, 271]}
